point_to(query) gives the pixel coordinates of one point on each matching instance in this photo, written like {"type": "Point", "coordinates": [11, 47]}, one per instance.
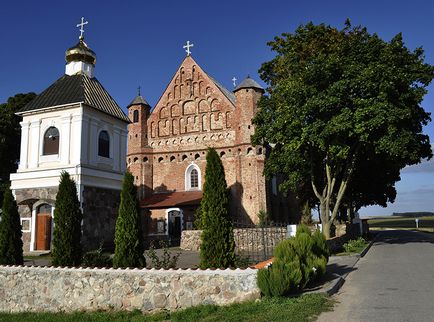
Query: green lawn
{"type": "Point", "coordinates": [303, 308]}
{"type": "Point", "coordinates": [402, 222]}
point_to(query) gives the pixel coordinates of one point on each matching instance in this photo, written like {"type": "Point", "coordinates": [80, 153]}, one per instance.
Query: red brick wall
{"type": "Point", "coordinates": [192, 115]}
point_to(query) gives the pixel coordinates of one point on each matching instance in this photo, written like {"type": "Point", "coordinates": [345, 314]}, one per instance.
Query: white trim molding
{"type": "Point", "coordinates": [187, 177]}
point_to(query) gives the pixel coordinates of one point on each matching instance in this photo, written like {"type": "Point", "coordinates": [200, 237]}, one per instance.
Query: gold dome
{"type": "Point", "coordinates": [80, 52]}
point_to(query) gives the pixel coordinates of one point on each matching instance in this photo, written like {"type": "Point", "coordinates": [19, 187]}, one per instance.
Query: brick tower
{"type": "Point", "coordinates": [139, 161]}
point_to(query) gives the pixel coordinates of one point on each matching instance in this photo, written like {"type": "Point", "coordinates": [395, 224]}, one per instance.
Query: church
{"type": "Point", "coordinates": [75, 126]}
{"type": "Point", "coordinates": [167, 148]}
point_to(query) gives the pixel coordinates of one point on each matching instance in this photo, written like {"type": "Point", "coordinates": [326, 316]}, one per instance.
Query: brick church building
{"type": "Point", "coordinates": [167, 148]}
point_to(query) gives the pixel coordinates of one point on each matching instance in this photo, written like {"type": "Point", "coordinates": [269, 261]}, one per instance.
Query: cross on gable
{"type": "Point", "coordinates": [234, 80]}
{"type": "Point", "coordinates": [81, 25]}
{"type": "Point", "coordinates": [187, 47]}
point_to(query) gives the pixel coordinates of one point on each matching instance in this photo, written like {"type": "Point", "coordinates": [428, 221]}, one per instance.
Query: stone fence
{"type": "Point", "coordinates": [245, 238]}
{"type": "Point", "coordinates": [74, 289]}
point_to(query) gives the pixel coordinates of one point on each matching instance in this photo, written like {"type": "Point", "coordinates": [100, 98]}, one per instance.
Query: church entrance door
{"type": "Point", "coordinates": [175, 226]}
{"type": "Point", "coordinates": [43, 227]}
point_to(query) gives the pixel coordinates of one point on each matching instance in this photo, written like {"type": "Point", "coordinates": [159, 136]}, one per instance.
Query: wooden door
{"type": "Point", "coordinates": [43, 231]}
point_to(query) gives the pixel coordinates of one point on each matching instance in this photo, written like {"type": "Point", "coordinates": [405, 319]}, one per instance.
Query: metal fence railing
{"type": "Point", "coordinates": [257, 243]}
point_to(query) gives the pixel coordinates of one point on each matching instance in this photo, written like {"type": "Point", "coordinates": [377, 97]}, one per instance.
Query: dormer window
{"type": "Point", "coordinates": [51, 141]}
{"type": "Point", "coordinates": [104, 144]}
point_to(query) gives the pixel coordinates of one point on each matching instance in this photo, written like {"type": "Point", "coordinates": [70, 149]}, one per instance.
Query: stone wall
{"type": "Point", "coordinates": [100, 209]}
{"type": "Point", "coordinates": [71, 289]}
{"type": "Point", "coordinates": [245, 238]}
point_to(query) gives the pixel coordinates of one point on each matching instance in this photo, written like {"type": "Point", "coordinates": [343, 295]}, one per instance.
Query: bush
{"type": "Point", "coordinates": [11, 245]}
{"type": "Point", "coordinates": [355, 245]}
{"type": "Point", "coordinates": [297, 262]}
{"type": "Point", "coordinates": [67, 249]}
{"type": "Point", "coordinates": [97, 258]}
{"type": "Point", "coordinates": [166, 261]}
{"type": "Point", "coordinates": [128, 234]}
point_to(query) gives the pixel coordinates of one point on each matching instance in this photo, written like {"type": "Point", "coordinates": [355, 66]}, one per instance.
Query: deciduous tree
{"type": "Point", "coordinates": [10, 137]}
{"type": "Point", "coordinates": [338, 99]}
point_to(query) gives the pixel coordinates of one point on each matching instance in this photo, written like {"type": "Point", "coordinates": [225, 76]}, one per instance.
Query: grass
{"type": "Point", "coordinates": [425, 223]}
{"type": "Point", "coordinates": [303, 308]}
{"type": "Point", "coordinates": [353, 247]}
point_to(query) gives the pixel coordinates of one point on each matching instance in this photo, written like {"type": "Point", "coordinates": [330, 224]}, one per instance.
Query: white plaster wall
{"type": "Point", "coordinates": [79, 127]}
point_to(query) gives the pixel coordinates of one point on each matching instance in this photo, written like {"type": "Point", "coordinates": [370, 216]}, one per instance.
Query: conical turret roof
{"type": "Point", "coordinates": [248, 83]}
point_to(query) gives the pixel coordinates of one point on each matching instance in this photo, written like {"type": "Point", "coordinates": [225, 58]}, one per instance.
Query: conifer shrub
{"type": "Point", "coordinates": [129, 251]}
{"type": "Point", "coordinates": [217, 249]}
{"type": "Point", "coordinates": [297, 262]}
{"type": "Point", "coordinates": [11, 245]}
{"type": "Point", "coordinates": [67, 249]}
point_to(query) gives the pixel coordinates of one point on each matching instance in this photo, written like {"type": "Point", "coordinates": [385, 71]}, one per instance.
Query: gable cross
{"type": "Point", "coordinates": [187, 47]}
{"type": "Point", "coordinates": [234, 80]}
{"type": "Point", "coordinates": [81, 25]}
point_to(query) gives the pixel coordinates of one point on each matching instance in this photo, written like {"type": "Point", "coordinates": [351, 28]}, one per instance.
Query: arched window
{"type": "Point", "coordinates": [135, 116]}
{"type": "Point", "coordinates": [104, 144]}
{"type": "Point", "coordinates": [192, 177]}
{"type": "Point", "coordinates": [51, 141]}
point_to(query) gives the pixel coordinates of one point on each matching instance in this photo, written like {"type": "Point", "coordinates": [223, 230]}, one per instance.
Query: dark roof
{"type": "Point", "coordinates": [75, 89]}
{"type": "Point", "coordinates": [248, 83]}
{"type": "Point", "coordinates": [138, 100]}
{"type": "Point", "coordinates": [224, 90]}
{"type": "Point", "coordinates": [172, 199]}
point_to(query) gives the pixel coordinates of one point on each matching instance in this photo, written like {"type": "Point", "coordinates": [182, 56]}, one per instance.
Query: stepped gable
{"type": "Point", "coordinates": [193, 102]}
{"type": "Point", "coordinates": [78, 88]}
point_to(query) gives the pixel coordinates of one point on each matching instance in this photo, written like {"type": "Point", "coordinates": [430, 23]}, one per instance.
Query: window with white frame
{"type": "Point", "coordinates": [192, 177]}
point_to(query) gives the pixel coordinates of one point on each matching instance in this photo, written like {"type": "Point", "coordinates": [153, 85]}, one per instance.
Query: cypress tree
{"type": "Point", "coordinates": [128, 235]}
{"type": "Point", "coordinates": [217, 249]}
{"type": "Point", "coordinates": [11, 245]}
{"type": "Point", "coordinates": [67, 250]}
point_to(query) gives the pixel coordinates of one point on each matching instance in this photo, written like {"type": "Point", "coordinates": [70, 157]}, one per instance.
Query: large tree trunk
{"type": "Point", "coordinates": [327, 216]}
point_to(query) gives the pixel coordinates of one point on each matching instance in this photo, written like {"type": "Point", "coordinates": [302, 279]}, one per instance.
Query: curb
{"type": "Point", "coordinates": [336, 285]}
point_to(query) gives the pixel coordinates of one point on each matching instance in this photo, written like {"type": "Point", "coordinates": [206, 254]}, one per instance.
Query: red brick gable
{"type": "Point", "coordinates": [192, 103]}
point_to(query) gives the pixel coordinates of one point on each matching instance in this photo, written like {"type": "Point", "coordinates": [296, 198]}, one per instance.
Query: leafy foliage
{"type": "Point", "coordinates": [167, 260]}
{"type": "Point", "coordinates": [343, 105]}
{"type": "Point", "coordinates": [10, 137]}
{"type": "Point", "coordinates": [355, 245]}
{"type": "Point", "coordinates": [67, 249]}
{"type": "Point", "coordinates": [218, 247]}
{"type": "Point", "coordinates": [128, 235]}
{"type": "Point", "coordinates": [97, 258]}
{"type": "Point", "coordinates": [11, 245]}
{"type": "Point", "coordinates": [297, 262]}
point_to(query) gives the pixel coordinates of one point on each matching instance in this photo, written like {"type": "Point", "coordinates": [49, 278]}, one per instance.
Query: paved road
{"type": "Point", "coordinates": [393, 282]}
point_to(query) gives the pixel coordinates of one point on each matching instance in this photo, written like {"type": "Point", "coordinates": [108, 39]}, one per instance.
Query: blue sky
{"type": "Point", "coordinates": [140, 43]}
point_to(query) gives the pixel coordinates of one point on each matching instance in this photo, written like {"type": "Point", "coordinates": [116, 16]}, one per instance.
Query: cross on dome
{"type": "Point", "coordinates": [187, 47]}
{"type": "Point", "coordinates": [138, 91]}
{"type": "Point", "coordinates": [234, 80]}
{"type": "Point", "coordinates": [81, 25]}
